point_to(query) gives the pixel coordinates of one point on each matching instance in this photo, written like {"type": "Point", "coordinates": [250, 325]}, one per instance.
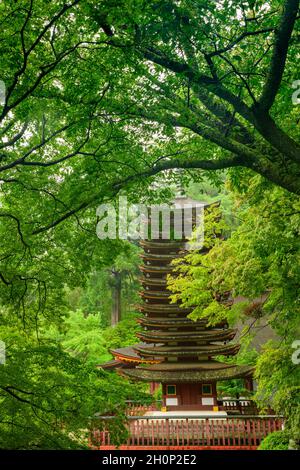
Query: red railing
{"type": "Point", "coordinates": [187, 432]}
{"type": "Point", "coordinates": [231, 405]}
{"type": "Point", "coordinates": [136, 409]}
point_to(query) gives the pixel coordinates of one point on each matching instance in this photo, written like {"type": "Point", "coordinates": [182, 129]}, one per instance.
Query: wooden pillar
{"type": "Point", "coordinates": [164, 394]}
{"type": "Point", "coordinates": [249, 384]}
{"type": "Point", "coordinates": [153, 387]}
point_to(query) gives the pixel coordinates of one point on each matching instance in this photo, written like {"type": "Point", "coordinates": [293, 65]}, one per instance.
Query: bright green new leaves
{"type": "Point", "coordinates": [48, 397]}
{"type": "Point", "coordinates": [194, 285]}
{"type": "Point", "coordinates": [261, 262]}
{"type": "Point", "coordinates": [278, 385]}
{"type": "Point", "coordinates": [84, 338]}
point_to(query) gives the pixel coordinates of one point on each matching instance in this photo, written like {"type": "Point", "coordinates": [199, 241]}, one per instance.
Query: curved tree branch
{"type": "Point", "coordinates": [280, 51]}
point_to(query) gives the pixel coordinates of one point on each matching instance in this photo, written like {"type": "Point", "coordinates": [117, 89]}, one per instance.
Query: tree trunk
{"type": "Point", "coordinates": [116, 298]}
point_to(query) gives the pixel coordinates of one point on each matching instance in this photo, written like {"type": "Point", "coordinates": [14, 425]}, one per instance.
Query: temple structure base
{"type": "Point", "coordinates": [185, 413]}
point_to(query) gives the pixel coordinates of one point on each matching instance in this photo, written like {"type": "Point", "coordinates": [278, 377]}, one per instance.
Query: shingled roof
{"type": "Point", "coordinates": [188, 375]}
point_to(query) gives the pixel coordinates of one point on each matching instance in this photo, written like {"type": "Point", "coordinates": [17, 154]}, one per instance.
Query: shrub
{"type": "Point", "coordinates": [278, 440]}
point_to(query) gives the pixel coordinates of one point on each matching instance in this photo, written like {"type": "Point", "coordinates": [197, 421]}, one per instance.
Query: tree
{"type": "Point", "coordinates": [195, 70]}
{"type": "Point", "coordinates": [101, 96]}
{"type": "Point", "coordinates": [278, 385]}
{"type": "Point", "coordinates": [123, 272]}
{"type": "Point", "coordinates": [259, 260]}
{"type": "Point", "coordinates": [111, 290]}
{"type": "Point", "coordinates": [260, 257]}
{"type": "Point", "coordinates": [48, 397]}
{"type": "Point", "coordinates": [219, 72]}
{"type": "Point", "coordinates": [83, 337]}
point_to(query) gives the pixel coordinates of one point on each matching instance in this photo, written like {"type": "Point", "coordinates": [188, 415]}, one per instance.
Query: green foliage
{"type": "Point", "coordinates": [278, 384]}
{"type": "Point", "coordinates": [123, 334]}
{"type": "Point", "coordinates": [157, 395]}
{"type": "Point", "coordinates": [236, 387]}
{"type": "Point", "coordinates": [84, 337]}
{"type": "Point", "coordinates": [260, 257]}
{"type": "Point", "coordinates": [47, 397]}
{"type": "Point", "coordinates": [86, 117]}
{"type": "Point", "coordinates": [232, 388]}
{"type": "Point", "coordinates": [102, 97]}
{"type": "Point", "coordinates": [190, 285]}
{"type": "Point", "coordinates": [260, 260]}
{"type": "Point", "coordinates": [95, 297]}
{"type": "Point", "coordinates": [278, 440]}
{"type": "Point", "coordinates": [213, 190]}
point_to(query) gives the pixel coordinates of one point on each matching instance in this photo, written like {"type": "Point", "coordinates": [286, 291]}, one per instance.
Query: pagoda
{"type": "Point", "coordinates": [175, 351]}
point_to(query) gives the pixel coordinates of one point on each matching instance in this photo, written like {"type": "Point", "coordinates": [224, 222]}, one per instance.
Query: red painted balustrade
{"type": "Point", "coordinates": [136, 409]}
{"type": "Point", "coordinates": [182, 432]}
{"type": "Point", "coordinates": [231, 405]}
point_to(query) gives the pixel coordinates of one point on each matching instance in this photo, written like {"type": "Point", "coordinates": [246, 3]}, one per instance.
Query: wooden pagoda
{"type": "Point", "coordinates": [175, 351]}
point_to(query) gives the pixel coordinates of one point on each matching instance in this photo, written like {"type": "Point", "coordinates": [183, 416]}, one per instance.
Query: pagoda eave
{"type": "Point", "coordinates": [153, 281]}
{"type": "Point", "coordinates": [186, 376]}
{"type": "Point", "coordinates": [211, 364]}
{"type": "Point", "coordinates": [175, 351]}
{"type": "Point", "coordinates": [165, 309]}
{"type": "Point", "coordinates": [188, 351]}
{"type": "Point", "coordinates": [128, 355]}
{"type": "Point", "coordinates": [188, 336]}
{"type": "Point", "coordinates": [161, 245]}
{"type": "Point", "coordinates": [161, 257]}
{"type": "Point", "coordinates": [169, 322]}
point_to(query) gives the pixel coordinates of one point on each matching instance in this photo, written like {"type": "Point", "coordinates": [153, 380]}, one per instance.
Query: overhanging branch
{"type": "Point", "coordinates": [161, 166]}
{"type": "Point", "coordinates": [280, 51]}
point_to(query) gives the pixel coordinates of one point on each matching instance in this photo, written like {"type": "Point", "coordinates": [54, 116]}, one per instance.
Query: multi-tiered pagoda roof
{"type": "Point", "coordinates": [168, 336]}
{"type": "Point", "coordinates": [173, 349]}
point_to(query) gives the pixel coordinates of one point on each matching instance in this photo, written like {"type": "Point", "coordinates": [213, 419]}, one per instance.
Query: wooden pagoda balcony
{"type": "Point", "coordinates": [136, 409]}
{"type": "Point", "coordinates": [190, 432]}
{"type": "Point", "coordinates": [238, 406]}
{"type": "Point", "coordinates": [232, 406]}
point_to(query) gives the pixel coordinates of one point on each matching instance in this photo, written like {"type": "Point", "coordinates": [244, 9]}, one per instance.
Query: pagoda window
{"type": "Point", "coordinates": [206, 389]}
{"type": "Point", "coordinates": [171, 390]}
